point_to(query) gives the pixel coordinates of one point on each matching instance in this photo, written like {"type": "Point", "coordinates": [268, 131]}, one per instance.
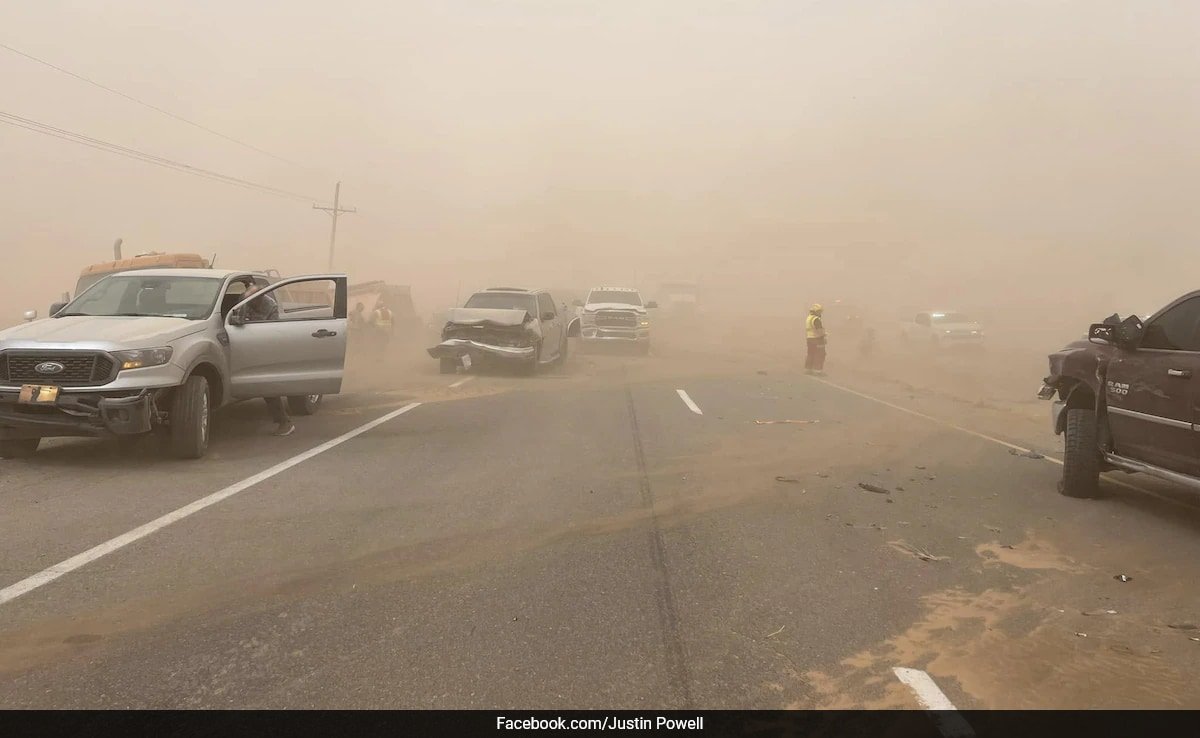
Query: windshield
{"type": "Point", "coordinates": [949, 318]}
{"type": "Point", "coordinates": [192, 298]}
{"type": "Point", "coordinates": [503, 301]}
{"type": "Point", "coordinates": [622, 297]}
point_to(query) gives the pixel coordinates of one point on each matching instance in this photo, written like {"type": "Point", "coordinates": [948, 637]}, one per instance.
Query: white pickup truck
{"type": "Point", "coordinates": [939, 329]}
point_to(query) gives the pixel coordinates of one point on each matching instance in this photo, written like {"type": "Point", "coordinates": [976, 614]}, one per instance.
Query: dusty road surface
{"type": "Point", "coordinates": [622, 532]}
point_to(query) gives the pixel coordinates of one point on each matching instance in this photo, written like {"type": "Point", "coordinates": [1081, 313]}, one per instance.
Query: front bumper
{"type": "Point", "coordinates": [456, 348]}
{"type": "Point", "coordinates": [77, 414]}
{"type": "Point", "coordinates": [629, 335]}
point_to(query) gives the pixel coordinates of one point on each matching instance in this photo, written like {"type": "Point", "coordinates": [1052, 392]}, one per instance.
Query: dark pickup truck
{"type": "Point", "coordinates": [1127, 398]}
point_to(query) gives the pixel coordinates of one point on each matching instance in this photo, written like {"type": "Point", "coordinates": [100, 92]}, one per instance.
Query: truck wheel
{"type": "Point", "coordinates": [531, 368]}
{"type": "Point", "coordinates": [1081, 455]}
{"type": "Point", "coordinates": [19, 448]}
{"type": "Point", "coordinates": [189, 417]}
{"type": "Point", "coordinates": [448, 365]}
{"type": "Point", "coordinates": [304, 404]}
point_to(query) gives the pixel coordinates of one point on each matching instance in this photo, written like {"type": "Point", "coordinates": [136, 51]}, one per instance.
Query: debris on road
{"type": "Point", "coordinates": [1082, 635]}
{"type": "Point", "coordinates": [1183, 626]}
{"type": "Point", "coordinates": [1025, 454]}
{"type": "Point", "coordinates": [785, 422]}
{"type": "Point", "coordinates": [992, 528]}
{"type": "Point", "coordinates": [769, 635]}
{"type": "Point", "coordinates": [874, 488]}
{"type": "Point", "coordinates": [899, 488]}
{"type": "Point", "coordinates": [760, 371]}
{"type": "Point", "coordinates": [1099, 612]}
{"type": "Point", "coordinates": [789, 480]}
{"type": "Point", "coordinates": [822, 475]}
{"type": "Point", "coordinates": [918, 466]}
{"type": "Point", "coordinates": [917, 552]}
{"type": "Point", "coordinates": [1123, 578]}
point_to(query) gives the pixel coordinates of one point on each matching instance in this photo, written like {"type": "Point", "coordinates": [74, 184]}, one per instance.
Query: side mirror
{"type": "Point", "coordinates": [29, 315]}
{"type": "Point", "coordinates": [56, 307]}
{"type": "Point", "coordinates": [651, 305]}
{"type": "Point", "coordinates": [547, 316]}
{"type": "Point", "coordinates": [1126, 334]}
{"type": "Point", "coordinates": [577, 303]}
{"type": "Point", "coordinates": [236, 317]}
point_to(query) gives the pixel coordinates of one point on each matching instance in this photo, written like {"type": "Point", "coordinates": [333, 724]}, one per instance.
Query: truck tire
{"type": "Point", "coordinates": [1081, 455]}
{"type": "Point", "coordinates": [304, 404]}
{"type": "Point", "coordinates": [19, 448]}
{"type": "Point", "coordinates": [448, 365]}
{"type": "Point", "coordinates": [530, 368]}
{"type": "Point", "coordinates": [189, 417]}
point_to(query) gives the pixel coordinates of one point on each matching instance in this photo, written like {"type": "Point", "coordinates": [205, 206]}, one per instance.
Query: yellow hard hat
{"type": "Point", "coordinates": [816, 308]}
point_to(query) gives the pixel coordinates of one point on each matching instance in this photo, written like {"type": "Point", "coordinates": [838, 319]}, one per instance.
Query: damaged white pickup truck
{"type": "Point", "coordinates": [506, 325]}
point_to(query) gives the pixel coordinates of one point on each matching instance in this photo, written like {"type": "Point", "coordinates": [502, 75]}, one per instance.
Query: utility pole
{"type": "Point", "coordinates": [335, 211]}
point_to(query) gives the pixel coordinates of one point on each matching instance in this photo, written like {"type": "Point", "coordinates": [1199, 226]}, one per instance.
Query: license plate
{"type": "Point", "coordinates": [37, 394]}
{"type": "Point", "coordinates": [466, 361]}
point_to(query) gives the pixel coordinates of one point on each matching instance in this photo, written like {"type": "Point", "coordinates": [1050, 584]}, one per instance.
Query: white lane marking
{"type": "Point", "coordinates": [984, 436]}
{"type": "Point", "coordinates": [46, 576]}
{"type": "Point", "coordinates": [950, 723]}
{"type": "Point", "coordinates": [688, 401]}
{"type": "Point", "coordinates": [462, 381]}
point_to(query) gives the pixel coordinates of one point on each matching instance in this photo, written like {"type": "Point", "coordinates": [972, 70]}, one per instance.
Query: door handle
{"type": "Point", "coordinates": [324, 334]}
{"type": "Point", "coordinates": [1179, 372]}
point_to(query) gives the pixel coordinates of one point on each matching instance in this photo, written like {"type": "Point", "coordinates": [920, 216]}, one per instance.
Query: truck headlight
{"type": "Point", "coordinates": [138, 358]}
{"type": "Point", "coordinates": [645, 324]}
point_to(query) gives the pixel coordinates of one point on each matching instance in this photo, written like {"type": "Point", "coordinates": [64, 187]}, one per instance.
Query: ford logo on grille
{"type": "Point", "coordinates": [49, 367]}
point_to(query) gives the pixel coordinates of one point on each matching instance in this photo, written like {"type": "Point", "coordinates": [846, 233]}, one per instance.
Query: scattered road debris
{"type": "Point", "coordinates": [1025, 454]}
{"type": "Point", "coordinates": [785, 422]}
{"type": "Point", "coordinates": [769, 635]}
{"type": "Point", "coordinates": [1183, 626]}
{"type": "Point", "coordinates": [1082, 635]}
{"type": "Point", "coordinates": [920, 467]}
{"type": "Point", "coordinates": [874, 488]}
{"type": "Point", "coordinates": [1123, 578]}
{"type": "Point", "coordinates": [1099, 612]}
{"type": "Point", "coordinates": [917, 551]}
{"type": "Point", "coordinates": [789, 480]}
{"type": "Point", "coordinates": [822, 475]}
{"type": "Point", "coordinates": [899, 488]}
{"type": "Point", "coordinates": [1009, 546]}
{"type": "Point", "coordinates": [992, 528]}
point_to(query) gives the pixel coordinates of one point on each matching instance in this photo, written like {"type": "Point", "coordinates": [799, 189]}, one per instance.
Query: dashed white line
{"type": "Point", "coordinates": [46, 576]}
{"type": "Point", "coordinates": [950, 723]}
{"type": "Point", "coordinates": [993, 439]}
{"type": "Point", "coordinates": [462, 381]}
{"type": "Point", "coordinates": [689, 402]}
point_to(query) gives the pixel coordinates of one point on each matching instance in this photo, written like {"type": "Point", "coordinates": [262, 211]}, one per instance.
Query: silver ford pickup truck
{"type": "Point", "coordinates": [158, 350]}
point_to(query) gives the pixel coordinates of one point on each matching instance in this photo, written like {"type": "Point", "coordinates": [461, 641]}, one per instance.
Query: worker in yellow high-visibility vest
{"type": "Point", "coordinates": [814, 331]}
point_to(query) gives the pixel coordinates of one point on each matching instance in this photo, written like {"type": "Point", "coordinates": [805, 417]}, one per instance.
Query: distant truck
{"type": "Point", "coordinates": [939, 329]}
{"type": "Point", "coordinates": [1127, 398]}
{"type": "Point", "coordinates": [615, 315]}
{"type": "Point", "coordinates": [398, 298]}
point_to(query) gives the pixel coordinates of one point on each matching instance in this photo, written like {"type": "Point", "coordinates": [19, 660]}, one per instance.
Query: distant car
{"type": "Point", "coordinates": [506, 325]}
{"type": "Point", "coordinates": [616, 315]}
{"type": "Point", "coordinates": [942, 329]}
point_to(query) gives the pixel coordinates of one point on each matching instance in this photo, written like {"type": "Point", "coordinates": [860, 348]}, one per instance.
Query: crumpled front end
{"type": "Point", "coordinates": [484, 342]}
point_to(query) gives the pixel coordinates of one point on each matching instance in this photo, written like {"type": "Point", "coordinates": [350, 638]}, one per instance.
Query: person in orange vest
{"type": "Point", "coordinates": [814, 331]}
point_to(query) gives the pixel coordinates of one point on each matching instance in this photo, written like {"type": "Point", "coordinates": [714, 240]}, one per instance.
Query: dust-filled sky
{"type": "Point", "coordinates": [996, 156]}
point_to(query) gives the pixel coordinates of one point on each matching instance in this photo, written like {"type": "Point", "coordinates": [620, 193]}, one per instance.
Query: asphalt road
{"type": "Point", "coordinates": [586, 539]}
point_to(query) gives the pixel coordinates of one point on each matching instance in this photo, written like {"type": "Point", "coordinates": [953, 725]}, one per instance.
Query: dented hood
{"type": "Point", "coordinates": [488, 316]}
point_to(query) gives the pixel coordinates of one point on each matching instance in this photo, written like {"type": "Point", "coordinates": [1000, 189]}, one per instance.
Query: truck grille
{"type": "Point", "coordinates": [80, 368]}
{"type": "Point", "coordinates": [616, 319]}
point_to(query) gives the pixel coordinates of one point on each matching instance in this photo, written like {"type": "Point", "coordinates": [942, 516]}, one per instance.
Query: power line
{"type": "Point", "coordinates": [129, 153]}
{"type": "Point", "coordinates": [151, 106]}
